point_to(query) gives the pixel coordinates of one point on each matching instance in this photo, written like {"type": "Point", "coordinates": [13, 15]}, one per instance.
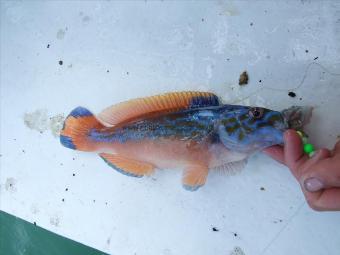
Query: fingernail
{"type": "Point", "coordinates": [289, 133]}
{"type": "Point", "coordinates": [314, 154]}
{"type": "Point", "coordinates": [313, 184]}
{"type": "Point", "coordinates": [286, 136]}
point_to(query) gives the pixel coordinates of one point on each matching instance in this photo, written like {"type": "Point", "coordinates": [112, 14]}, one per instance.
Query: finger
{"type": "Point", "coordinates": [336, 150]}
{"type": "Point", "coordinates": [276, 152]}
{"type": "Point", "coordinates": [293, 151]}
{"type": "Point", "coordinates": [327, 200]}
{"type": "Point", "coordinates": [318, 156]}
{"type": "Point", "coordinates": [324, 174]}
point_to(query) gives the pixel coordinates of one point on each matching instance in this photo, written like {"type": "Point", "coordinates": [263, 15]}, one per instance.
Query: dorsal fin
{"type": "Point", "coordinates": [147, 106]}
{"type": "Point", "coordinates": [204, 101]}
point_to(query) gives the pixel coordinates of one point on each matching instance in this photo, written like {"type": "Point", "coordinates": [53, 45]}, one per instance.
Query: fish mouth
{"type": "Point", "coordinates": [296, 117]}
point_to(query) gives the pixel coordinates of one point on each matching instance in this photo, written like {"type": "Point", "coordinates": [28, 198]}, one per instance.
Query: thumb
{"type": "Point", "coordinates": [294, 156]}
{"type": "Point", "coordinates": [336, 150]}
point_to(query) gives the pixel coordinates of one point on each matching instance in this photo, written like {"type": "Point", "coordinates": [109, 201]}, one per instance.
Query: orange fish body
{"type": "Point", "coordinates": [174, 130]}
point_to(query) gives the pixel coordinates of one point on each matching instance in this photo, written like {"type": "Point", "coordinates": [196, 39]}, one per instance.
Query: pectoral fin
{"type": "Point", "coordinates": [127, 166]}
{"type": "Point", "coordinates": [232, 168]}
{"type": "Point", "coordinates": [194, 177]}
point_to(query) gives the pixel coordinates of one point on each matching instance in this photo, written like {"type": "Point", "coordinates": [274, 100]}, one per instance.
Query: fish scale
{"type": "Point", "coordinates": [187, 125]}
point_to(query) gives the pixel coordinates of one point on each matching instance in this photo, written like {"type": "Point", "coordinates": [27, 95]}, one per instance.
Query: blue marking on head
{"type": "Point", "coordinates": [248, 133]}
{"type": "Point", "coordinates": [67, 142]}
{"type": "Point", "coordinates": [122, 171]}
{"type": "Point", "coordinates": [80, 112]}
{"type": "Point", "coordinates": [191, 188]}
{"type": "Point", "coordinates": [204, 101]}
{"type": "Point", "coordinates": [270, 136]}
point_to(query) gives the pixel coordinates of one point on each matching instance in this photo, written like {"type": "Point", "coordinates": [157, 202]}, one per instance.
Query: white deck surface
{"type": "Point", "coordinates": [113, 51]}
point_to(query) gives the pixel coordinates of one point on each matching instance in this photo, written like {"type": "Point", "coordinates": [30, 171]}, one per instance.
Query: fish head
{"type": "Point", "coordinates": [247, 129]}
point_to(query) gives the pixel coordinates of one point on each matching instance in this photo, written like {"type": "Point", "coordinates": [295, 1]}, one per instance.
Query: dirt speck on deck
{"type": "Point", "coordinates": [243, 80]}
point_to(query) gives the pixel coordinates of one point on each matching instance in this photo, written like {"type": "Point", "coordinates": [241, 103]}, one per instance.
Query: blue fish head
{"type": "Point", "coordinates": [246, 129]}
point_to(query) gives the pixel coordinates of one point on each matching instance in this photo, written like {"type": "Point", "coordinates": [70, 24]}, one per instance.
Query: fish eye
{"type": "Point", "coordinates": [256, 112]}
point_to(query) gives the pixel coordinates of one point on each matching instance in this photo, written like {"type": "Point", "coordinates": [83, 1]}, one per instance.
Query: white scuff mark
{"type": "Point", "coordinates": [61, 34]}
{"type": "Point", "coordinates": [220, 38]}
{"type": "Point", "coordinates": [34, 209]}
{"type": "Point", "coordinates": [182, 37]}
{"type": "Point", "coordinates": [55, 221]}
{"type": "Point", "coordinates": [248, 47]}
{"type": "Point", "coordinates": [258, 56]}
{"type": "Point", "coordinates": [98, 7]}
{"type": "Point", "coordinates": [37, 120]}
{"type": "Point", "coordinates": [56, 124]}
{"type": "Point", "coordinates": [272, 30]}
{"type": "Point", "coordinates": [237, 251]}
{"type": "Point", "coordinates": [166, 252]}
{"type": "Point", "coordinates": [236, 46]}
{"type": "Point", "coordinates": [10, 185]}
{"type": "Point", "coordinates": [209, 71]}
{"type": "Point", "coordinates": [228, 9]}
{"type": "Point", "coordinates": [14, 11]}
{"type": "Point", "coordinates": [180, 69]}
{"type": "Point", "coordinates": [40, 121]}
{"type": "Point", "coordinates": [209, 64]}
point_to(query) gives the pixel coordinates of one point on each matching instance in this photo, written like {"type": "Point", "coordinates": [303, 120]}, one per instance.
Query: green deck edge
{"type": "Point", "coordinates": [19, 237]}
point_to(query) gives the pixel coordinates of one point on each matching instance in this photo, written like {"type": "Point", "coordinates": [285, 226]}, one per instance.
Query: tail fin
{"type": "Point", "coordinates": [76, 129]}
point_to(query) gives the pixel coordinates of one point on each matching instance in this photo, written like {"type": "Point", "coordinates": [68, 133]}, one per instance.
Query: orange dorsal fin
{"type": "Point", "coordinates": [141, 107]}
{"type": "Point", "coordinates": [127, 166]}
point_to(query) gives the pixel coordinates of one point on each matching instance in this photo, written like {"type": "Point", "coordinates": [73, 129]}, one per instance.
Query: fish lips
{"type": "Point", "coordinates": [296, 117]}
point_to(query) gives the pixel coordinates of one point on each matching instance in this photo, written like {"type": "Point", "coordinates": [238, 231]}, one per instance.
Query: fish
{"type": "Point", "coordinates": [191, 130]}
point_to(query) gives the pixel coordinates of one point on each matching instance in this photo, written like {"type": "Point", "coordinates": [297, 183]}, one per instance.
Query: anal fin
{"type": "Point", "coordinates": [126, 166]}
{"type": "Point", "coordinates": [194, 177]}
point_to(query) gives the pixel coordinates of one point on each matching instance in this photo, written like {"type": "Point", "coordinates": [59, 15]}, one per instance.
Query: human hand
{"type": "Point", "coordinates": [319, 176]}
